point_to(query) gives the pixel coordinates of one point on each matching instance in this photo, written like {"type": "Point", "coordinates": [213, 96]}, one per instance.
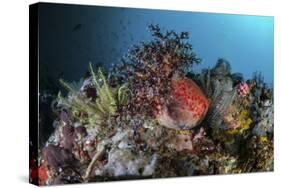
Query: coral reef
{"type": "Point", "coordinates": [151, 116]}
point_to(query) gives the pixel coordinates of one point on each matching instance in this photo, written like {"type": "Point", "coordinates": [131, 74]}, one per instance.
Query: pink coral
{"type": "Point", "coordinates": [243, 89]}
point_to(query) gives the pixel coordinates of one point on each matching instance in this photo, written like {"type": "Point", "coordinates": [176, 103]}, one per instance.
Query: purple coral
{"type": "Point", "coordinates": [65, 117]}
{"type": "Point", "coordinates": [68, 132]}
{"type": "Point", "coordinates": [58, 157]}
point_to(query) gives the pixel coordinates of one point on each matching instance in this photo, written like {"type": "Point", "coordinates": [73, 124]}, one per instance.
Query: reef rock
{"type": "Point", "coordinates": [222, 68]}
{"type": "Point", "coordinates": [265, 125]}
{"type": "Point", "coordinates": [123, 162]}
{"type": "Point", "coordinates": [186, 107]}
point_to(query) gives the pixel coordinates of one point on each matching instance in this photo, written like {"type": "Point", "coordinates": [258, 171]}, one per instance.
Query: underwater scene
{"type": "Point", "coordinates": [129, 93]}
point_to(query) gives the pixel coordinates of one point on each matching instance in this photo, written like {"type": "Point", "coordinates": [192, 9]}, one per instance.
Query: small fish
{"type": "Point", "coordinates": [77, 27]}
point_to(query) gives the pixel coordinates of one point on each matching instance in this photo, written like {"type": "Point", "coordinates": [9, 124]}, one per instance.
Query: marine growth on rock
{"type": "Point", "coordinates": [152, 116]}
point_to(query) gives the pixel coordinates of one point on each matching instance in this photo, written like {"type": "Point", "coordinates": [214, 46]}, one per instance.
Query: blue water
{"type": "Point", "coordinates": [71, 36]}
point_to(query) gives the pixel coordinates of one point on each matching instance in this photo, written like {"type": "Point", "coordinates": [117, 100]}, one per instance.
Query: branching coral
{"type": "Point", "coordinates": [150, 66]}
